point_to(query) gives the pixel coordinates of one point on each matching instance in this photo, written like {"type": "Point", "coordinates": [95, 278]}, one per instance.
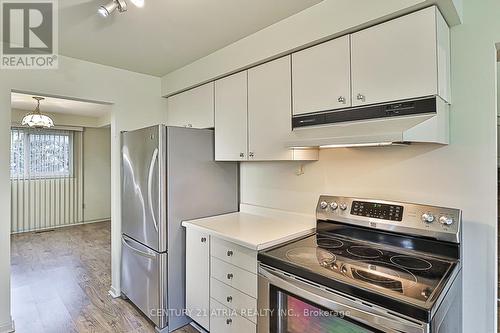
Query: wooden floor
{"type": "Point", "coordinates": [60, 283]}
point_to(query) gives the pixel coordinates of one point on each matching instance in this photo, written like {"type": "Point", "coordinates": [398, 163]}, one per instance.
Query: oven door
{"type": "Point", "coordinates": [290, 305]}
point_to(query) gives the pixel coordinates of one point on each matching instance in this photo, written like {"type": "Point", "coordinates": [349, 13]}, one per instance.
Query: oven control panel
{"type": "Point", "coordinates": [377, 210]}
{"type": "Point", "coordinates": [407, 218]}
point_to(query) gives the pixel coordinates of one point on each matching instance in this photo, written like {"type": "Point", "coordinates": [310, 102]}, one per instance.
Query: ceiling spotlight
{"type": "Point", "coordinates": [107, 9]}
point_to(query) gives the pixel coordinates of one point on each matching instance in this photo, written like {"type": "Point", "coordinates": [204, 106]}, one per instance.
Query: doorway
{"type": "Point", "coordinates": [60, 221]}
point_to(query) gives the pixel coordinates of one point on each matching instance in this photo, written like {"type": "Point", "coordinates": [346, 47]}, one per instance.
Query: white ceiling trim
{"type": "Point", "coordinates": [57, 105]}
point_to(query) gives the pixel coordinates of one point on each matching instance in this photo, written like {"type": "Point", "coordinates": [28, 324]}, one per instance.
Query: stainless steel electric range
{"type": "Point", "coordinates": [372, 266]}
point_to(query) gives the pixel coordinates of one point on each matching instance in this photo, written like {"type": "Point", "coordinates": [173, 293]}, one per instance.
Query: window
{"type": "Point", "coordinates": [40, 153]}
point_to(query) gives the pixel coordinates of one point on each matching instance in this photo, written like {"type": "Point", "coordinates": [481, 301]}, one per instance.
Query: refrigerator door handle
{"type": "Point", "coordinates": [154, 158]}
{"type": "Point", "coordinates": [125, 242]}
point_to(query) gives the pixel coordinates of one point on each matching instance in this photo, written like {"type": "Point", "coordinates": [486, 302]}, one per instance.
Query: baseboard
{"type": "Point", "coordinates": [7, 327]}
{"type": "Point", "coordinates": [61, 226]}
{"type": "Point", "coordinates": [197, 327]}
{"type": "Point", "coordinates": [113, 292]}
{"type": "Point", "coordinates": [98, 220]}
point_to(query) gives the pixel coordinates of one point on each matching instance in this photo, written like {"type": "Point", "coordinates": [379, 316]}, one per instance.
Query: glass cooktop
{"type": "Point", "coordinates": [377, 269]}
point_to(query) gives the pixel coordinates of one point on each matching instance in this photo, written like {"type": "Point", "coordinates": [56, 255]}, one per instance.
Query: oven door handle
{"type": "Point", "coordinates": [361, 313]}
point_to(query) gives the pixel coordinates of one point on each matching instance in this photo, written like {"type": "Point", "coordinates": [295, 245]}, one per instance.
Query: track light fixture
{"type": "Point", "coordinates": [121, 5]}
{"type": "Point", "coordinates": [110, 7]}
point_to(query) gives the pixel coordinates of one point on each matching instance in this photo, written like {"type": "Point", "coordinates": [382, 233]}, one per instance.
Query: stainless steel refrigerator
{"type": "Point", "coordinates": [168, 175]}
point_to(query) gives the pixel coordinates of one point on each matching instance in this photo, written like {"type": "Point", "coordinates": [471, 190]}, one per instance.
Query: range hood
{"type": "Point", "coordinates": [421, 120]}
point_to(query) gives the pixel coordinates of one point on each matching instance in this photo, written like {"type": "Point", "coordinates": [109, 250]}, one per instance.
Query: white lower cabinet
{"type": "Point", "coordinates": [221, 284]}
{"type": "Point", "coordinates": [198, 277]}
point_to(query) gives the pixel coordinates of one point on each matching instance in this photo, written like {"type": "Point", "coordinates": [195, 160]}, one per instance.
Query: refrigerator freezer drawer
{"type": "Point", "coordinates": [143, 279]}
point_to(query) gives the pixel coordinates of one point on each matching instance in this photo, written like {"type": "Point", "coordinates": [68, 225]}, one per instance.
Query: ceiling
{"type": "Point", "coordinates": [164, 35]}
{"type": "Point", "coordinates": [59, 105]}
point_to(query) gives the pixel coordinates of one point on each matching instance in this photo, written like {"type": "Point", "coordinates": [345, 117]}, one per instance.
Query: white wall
{"type": "Point", "coordinates": [96, 174]}
{"type": "Point", "coordinates": [136, 103]}
{"type": "Point", "coordinates": [461, 175]}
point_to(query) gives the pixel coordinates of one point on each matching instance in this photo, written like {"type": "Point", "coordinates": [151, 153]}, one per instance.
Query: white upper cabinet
{"type": "Point", "coordinates": [401, 59]}
{"type": "Point", "coordinates": [231, 118]}
{"type": "Point", "coordinates": [321, 77]}
{"type": "Point", "coordinates": [253, 115]}
{"type": "Point", "coordinates": [269, 110]}
{"type": "Point", "coordinates": [192, 108]}
{"type": "Point", "coordinates": [404, 58]}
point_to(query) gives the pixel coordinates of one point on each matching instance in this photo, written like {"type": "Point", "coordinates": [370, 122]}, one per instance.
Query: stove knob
{"type": "Point", "coordinates": [426, 292]}
{"type": "Point", "coordinates": [333, 205]}
{"type": "Point", "coordinates": [323, 204]}
{"type": "Point", "coordinates": [446, 220]}
{"type": "Point", "coordinates": [343, 206]}
{"type": "Point", "coordinates": [427, 217]}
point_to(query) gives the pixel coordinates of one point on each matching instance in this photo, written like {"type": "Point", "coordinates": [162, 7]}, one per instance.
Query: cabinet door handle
{"type": "Point", "coordinates": [229, 253]}
{"type": "Point", "coordinates": [242, 155]}
{"type": "Point", "coordinates": [203, 239]}
{"type": "Point", "coordinates": [229, 321]}
{"type": "Point", "coordinates": [230, 276]}
{"type": "Point", "coordinates": [360, 97]}
{"type": "Point", "coordinates": [341, 99]}
{"type": "Point", "coordinates": [250, 154]}
{"type": "Point", "coordinates": [189, 125]}
{"type": "Point", "coordinates": [229, 299]}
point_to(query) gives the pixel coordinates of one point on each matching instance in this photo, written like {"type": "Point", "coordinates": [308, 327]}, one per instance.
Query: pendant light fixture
{"type": "Point", "coordinates": [36, 119]}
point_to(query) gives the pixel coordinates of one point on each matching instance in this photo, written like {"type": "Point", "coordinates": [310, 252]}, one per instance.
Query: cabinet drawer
{"type": "Point", "coordinates": [235, 277]}
{"type": "Point", "coordinates": [234, 254]}
{"type": "Point", "coordinates": [243, 304]}
{"type": "Point", "coordinates": [223, 320]}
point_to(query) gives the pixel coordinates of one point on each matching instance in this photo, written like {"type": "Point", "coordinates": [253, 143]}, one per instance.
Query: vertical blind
{"type": "Point", "coordinates": [46, 186]}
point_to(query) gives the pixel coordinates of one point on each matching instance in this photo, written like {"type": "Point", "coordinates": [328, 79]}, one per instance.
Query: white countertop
{"type": "Point", "coordinates": [256, 232]}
